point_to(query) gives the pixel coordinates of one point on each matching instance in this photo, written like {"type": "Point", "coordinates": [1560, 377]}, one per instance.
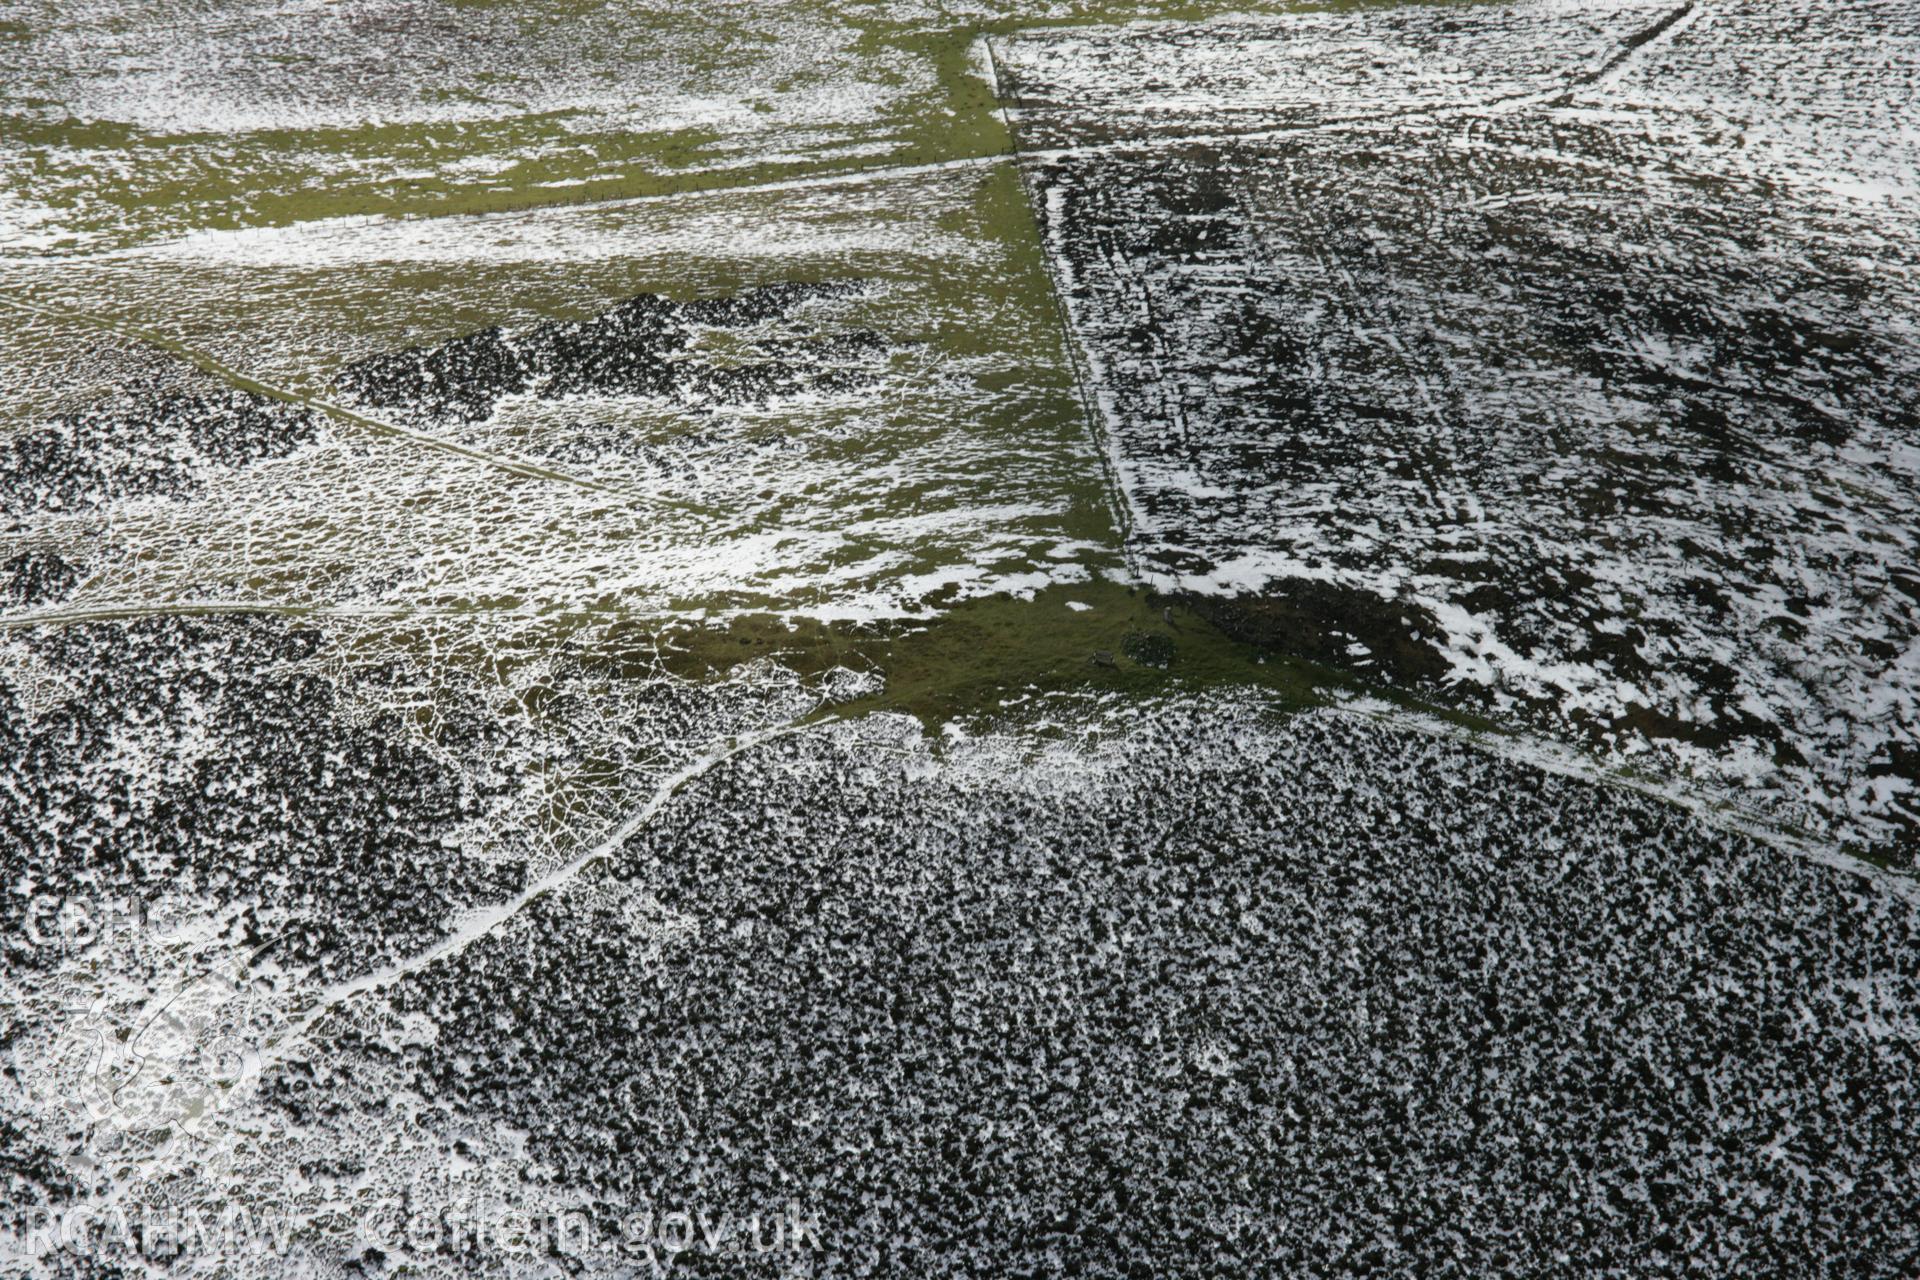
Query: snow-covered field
{"type": "Point", "coordinates": [1560, 357]}
{"type": "Point", "coordinates": [637, 736]}
{"type": "Point", "coordinates": [1196, 987]}
{"type": "Point", "coordinates": [848, 450]}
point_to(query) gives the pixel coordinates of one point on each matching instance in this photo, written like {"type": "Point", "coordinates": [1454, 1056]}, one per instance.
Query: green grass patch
{"type": "Point", "coordinates": [980, 658]}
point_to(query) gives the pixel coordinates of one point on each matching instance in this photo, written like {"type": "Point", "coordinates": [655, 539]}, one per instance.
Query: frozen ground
{"type": "Point", "coordinates": [899, 431]}
{"type": "Point", "coordinates": [1195, 988]}
{"type": "Point", "coordinates": [251, 111]}
{"type": "Point", "coordinates": [623, 738]}
{"type": "Point", "coordinates": [1561, 358]}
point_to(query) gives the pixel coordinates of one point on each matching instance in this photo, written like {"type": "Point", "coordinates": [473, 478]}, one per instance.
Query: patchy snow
{"type": "Point", "coordinates": [823, 458]}
{"type": "Point", "coordinates": [1593, 356]}
{"type": "Point", "coordinates": [399, 851]}
{"type": "Point", "coordinates": [1285, 953]}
